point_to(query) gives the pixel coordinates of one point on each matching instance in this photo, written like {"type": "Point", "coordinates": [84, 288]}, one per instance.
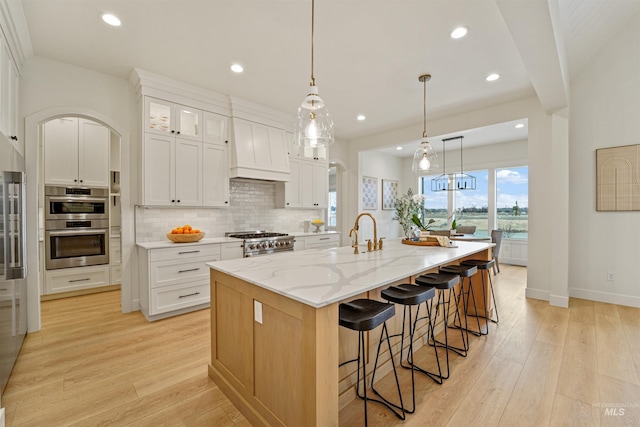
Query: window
{"type": "Point", "coordinates": [472, 206]}
{"type": "Point", "coordinates": [512, 202]}
{"type": "Point", "coordinates": [436, 204]}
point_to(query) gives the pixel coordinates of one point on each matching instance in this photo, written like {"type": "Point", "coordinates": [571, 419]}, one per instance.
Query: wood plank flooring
{"type": "Point", "coordinates": [91, 365]}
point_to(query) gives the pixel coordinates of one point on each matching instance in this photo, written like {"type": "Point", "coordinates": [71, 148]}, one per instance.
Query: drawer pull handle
{"type": "Point", "coordinates": [324, 238]}
{"type": "Point", "coordinates": [189, 295]}
{"type": "Point", "coordinates": [191, 269]}
{"type": "Point", "coordinates": [79, 280]}
{"type": "Point", "coordinates": [188, 252]}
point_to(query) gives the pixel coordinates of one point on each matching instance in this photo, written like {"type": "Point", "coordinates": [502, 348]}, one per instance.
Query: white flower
{"type": "Point", "coordinates": [418, 198]}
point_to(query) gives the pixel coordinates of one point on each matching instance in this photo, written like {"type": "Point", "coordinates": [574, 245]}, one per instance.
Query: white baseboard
{"type": "Point", "coordinates": [559, 301]}
{"type": "Point", "coordinates": [537, 294]}
{"type": "Point", "coordinates": [513, 261]}
{"type": "Point", "coordinates": [1, 417]}
{"type": "Point", "coordinates": [607, 297]}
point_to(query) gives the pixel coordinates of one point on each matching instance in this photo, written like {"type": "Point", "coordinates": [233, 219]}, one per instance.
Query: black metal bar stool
{"type": "Point", "coordinates": [409, 295]}
{"type": "Point", "coordinates": [444, 282]}
{"type": "Point", "coordinates": [485, 265]}
{"type": "Point", "coordinates": [364, 315]}
{"type": "Point", "coordinates": [465, 271]}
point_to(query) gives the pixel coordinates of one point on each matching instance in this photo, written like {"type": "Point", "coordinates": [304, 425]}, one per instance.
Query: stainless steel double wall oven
{"type": "Point", "coordinates": [76, 226]}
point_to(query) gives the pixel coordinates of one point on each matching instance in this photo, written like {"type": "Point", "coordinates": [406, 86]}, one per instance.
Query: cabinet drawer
{"type": "Point", "coordinates": [177, 272]}
{"type": "Point", "coordinates": [322, 242]}
{"type": "Point", "coordinates": [115, 253]}
{"type": "Point", "coordinates": [185, 252]}
{"type": "Point", "coordinates": [73, 279]}
{"type": "Point", "coordinates": [172, 298]}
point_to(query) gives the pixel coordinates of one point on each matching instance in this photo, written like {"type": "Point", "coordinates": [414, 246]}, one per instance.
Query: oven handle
{"type": "Point", "coordinates": [77, 199]}
{"type": "Point", "coordinates": [77, 231]}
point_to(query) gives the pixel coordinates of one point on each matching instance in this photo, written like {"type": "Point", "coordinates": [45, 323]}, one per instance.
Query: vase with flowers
{"type": "Point", "coordinates": [409, 209]}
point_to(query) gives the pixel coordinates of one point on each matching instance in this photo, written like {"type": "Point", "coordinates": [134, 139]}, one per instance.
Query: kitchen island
{"type": "Point", "coordinates": [275, 339]}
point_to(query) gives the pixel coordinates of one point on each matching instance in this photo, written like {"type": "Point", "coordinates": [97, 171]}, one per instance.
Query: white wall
{"type": "Point", "coordinates": [605, 112]}
{"type": "Point", "coordinates": [46, 83]}
{"type": "Point", "coordinates": [380, 166]}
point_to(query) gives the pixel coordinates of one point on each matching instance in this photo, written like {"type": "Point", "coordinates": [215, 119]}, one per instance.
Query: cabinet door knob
{"type": "Point", "coordinates": [178, 132]}
{"type": "Point", "coordinates": [178, 201]}
{"type": "Point", "coordinates": [15, 138]}
{"type": "Point", "coordinates": [226, 201]}
{"type": "Point", "coordinates": [173, 131]}
{"type": "Point", "coordinates": [173, 201]}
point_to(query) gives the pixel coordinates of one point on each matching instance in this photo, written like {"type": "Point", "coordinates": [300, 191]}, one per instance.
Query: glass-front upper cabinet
{"type": "Point", "coordinates": [164, 117]}
{"type": "Point", "coordinates": [214, 128]}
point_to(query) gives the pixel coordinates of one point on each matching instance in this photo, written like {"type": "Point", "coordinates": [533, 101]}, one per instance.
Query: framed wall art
{"type": "Point", "coordinates": [618, 178]}
{"type": "Point", "coordinates": [389, 194]}
{"type": "Point", "coordinates": [369, 192]}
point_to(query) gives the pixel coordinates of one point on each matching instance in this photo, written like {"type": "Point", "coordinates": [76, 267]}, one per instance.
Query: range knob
{"type": "Point", "coordinates": [271, 244]}
{"type": "Point", "coordinates": [252, 246]}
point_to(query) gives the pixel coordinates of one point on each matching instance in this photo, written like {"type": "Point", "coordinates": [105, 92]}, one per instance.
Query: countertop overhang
{"type": "Point", "coordinates": [321, 277]}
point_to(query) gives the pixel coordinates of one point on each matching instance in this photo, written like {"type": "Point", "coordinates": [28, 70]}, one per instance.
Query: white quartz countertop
{"type": "Point", "coordinates": [321, 277]}
{"type": "Point", "coordinates": [204, 241]}
{"type": "Point", "coordinates": [209, 240]}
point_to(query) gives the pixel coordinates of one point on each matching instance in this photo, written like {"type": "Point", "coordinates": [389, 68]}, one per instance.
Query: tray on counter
{"type": "Point", "coordinates": [413, 242]}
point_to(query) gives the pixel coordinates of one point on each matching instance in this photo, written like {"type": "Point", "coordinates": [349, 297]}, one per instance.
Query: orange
{"type": "Point", "coordinates": [179, 231]}
{"type": "Point", "coordinates": [174, 231]}
{"type": "Point", "coordinates": [195, 231]}
{"type": "Point", "coordinates": [186, 227]}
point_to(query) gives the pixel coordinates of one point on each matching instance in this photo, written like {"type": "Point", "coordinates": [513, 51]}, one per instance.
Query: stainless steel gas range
{"type": "Point", "coordinates": [263, 242]}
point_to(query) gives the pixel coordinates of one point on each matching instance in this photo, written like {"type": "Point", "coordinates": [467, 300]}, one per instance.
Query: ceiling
{"type": "Point", "coordinates": [368, 53]}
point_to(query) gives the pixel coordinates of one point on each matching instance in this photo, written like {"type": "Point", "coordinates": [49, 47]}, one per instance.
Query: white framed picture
{"type": "Point", "coordinates": [369, 192]}
{"type": "Point", "coordinates": [389, 194]}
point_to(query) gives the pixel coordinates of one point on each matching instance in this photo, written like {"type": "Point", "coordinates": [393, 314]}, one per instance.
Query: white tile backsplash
{"type": "Point", "coordinates": [252, 207]}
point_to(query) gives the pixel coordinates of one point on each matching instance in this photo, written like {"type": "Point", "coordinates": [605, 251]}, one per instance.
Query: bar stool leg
{"type": "Point", "coordinates": [384, 336]}
{"type": "Point", "coordinates": [433, 342]}
{"type": "Point", "coordinates": [435, 377]}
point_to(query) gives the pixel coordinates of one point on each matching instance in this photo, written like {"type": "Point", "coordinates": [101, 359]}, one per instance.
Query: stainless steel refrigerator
{"type": "Point", "coordinates": [13, 270]}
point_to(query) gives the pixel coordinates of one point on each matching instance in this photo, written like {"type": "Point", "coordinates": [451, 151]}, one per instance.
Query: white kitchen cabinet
{"type": "Point", "coordinates": [288, 193]}
{"type": "Point", "coordinates": [76, 152]}
{"type": "Point", "coordinates": [75, 279]}
{"type": "Point", "coordinates": [175, 280]}
{"type": "Point", "coordinates": [9, 85]}
{"type": "Point", "coordinates": [171, 171]}
{"type": "Point", "coordinates": [214, 129]}
{"type": "Point", "coordinates": [259, 152]}
{"type": "Point", "coordinates": [320, 241]}
{"type": "Point", "coordinates": [168, 118]}
{"type": "Point", "coordinates": [215, 175]}
{"type": "Point", "coordinates": [233, 250]}
{"type": "Point", "coordinates": [308, 188]}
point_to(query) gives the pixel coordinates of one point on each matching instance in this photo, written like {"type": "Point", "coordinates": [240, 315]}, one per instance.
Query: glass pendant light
{"type": "Point", "coordinates": [314, 127]}
{"type": "Point", "coordinates": [425, 157]}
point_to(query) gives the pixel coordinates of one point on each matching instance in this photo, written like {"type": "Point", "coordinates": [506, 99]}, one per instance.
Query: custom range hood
{"type": "Point", "coordinates": [259, 147]}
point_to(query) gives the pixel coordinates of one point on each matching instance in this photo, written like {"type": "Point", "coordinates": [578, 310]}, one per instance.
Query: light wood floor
{"type": "Point", "coordinates": [541, 366]}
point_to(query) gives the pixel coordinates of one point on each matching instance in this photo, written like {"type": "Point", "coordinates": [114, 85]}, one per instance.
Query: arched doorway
{"type": "Point", "coordinates": [33, 144]}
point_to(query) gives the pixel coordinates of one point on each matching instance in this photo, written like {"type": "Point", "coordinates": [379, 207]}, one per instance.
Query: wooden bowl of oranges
{"type": "Point", "coordinates": [185, 234]}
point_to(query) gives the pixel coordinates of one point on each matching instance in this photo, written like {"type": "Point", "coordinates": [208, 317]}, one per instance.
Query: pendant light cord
{"type": "Point", "coordinates": [424, 131]}
{"type": "Point", "coordinates": [313, 78]}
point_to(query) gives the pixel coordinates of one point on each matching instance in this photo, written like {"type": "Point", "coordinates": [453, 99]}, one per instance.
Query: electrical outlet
{"type": "Point", "coordinates": [257, 311]}
{"type": "Point", "coordinates": [611, 276]}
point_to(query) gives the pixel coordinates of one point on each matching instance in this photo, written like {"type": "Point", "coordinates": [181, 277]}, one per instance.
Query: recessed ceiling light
{"type": "Point", "coordinates": [398, 148]}
{"type": "Point", "coordinates": [111, 19]}
{"type": "Point", "coordinates": [519, 126]}
{"type": "Point", "coordinates": [237, 68]}
{"type": "Point", "coordinates": [361, 117]}
{"type": "Point", "coordinates": [459, 32]}
{"type": "Point", "coordinates": [493, 77]}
